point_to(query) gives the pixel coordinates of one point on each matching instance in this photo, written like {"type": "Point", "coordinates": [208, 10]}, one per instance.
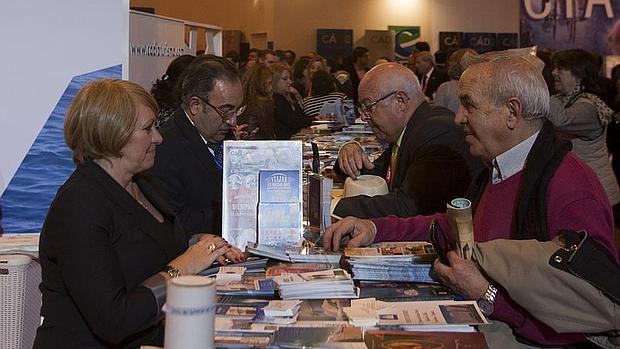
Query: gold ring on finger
{"type": "Point", "coordinates": [212, 248]}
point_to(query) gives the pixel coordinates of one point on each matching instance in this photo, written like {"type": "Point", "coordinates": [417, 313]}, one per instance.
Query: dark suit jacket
{"type": "Point", "coordinates": [97, 246]}
{"type": "Point", "coordinates": [433, 167]}
{"type": "Point", "coordinates": [191, 177]}
{"type": "Point", "coordinates": [438, 77]}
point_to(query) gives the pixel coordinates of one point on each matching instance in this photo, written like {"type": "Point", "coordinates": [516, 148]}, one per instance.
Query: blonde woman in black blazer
{"type": "Point", "coordinates": [110, 242]}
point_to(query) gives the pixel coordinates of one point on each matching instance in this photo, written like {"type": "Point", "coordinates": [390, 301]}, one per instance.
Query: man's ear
{"type": "Point", "coordinates": [194, 106]}
{"type": "Point", "coordinates": [402, 101]}
{"type": "Point", "coordinates": [515, 112]}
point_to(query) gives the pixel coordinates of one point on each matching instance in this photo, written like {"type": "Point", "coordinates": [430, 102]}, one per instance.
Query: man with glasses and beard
{"type": "Point", "coordinates": [189, 161]}
{"type": "Point", "coordinates": [427, 163]}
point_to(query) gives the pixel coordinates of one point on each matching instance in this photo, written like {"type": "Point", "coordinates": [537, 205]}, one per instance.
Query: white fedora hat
{"type": "Point", "coordinates": [369, 185]}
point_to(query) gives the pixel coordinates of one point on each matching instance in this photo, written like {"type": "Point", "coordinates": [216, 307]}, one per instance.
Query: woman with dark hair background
{"type": "Point", "coordinates": [166, 91]}
{"type": "Point", "coordinates": [579, 111]}
{"type": "Point", "coordinates": [300, 77]}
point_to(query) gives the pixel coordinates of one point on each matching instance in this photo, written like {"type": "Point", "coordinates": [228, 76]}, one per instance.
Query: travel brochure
{"type": "Point", "coordinates": [252, 285]}
{"type": "Point", "coordinates": [279, 208]}
{"type": "Point", "coordinates": [418, 251]}
{"type": "Point", "coordinates": [297, 254]}
{"type": "Point", "coordinates": [252, 265]}
{"type": "Point", "coordinates": [371, 312]}
{"type": "Point", "coordinates": [243, 162]}
{"type": "Point", "coordinates": [392, 271]}
{"type": "Point", "coordinates": [331, 283]}
{"type": "Point", "coordinates": [375, 339]}
{"type": "Point", "coordinates": [392, 261]}
{"type": "Point", "coordinates": [404, 291]}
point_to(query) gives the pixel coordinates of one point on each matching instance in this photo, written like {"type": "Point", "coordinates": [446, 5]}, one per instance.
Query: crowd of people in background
{"type": "Point", "coordinates": [574, 78]}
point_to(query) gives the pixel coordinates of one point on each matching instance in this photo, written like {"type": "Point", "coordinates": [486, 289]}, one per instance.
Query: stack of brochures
{"type": "Point", "coordinates": [252, 285]}
{"type": "Point", "coordinates": [252, 265]}
{"type": "Point", "coordinates": [410, 261]}
{"type": "Point", "coordinates": [457, 316]}
{"type": "Point", "coordinates": [278, 312]}
{"type": "Point", "coordinates": [332, 283]}
{"type": "Point", "coordinates": [327, 337]}
{"type": "Point", "coordinates": [300, 254]}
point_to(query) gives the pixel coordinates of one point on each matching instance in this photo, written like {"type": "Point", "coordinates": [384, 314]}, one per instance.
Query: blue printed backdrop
{"type": "Point", "coordinates": [331, 43]}
{"type": "Point", "coordinates": [563, 27]}
{"type": "Point", "coordinates": [481, 42]}
{"type": "Point", "coordinates": [24, 203]}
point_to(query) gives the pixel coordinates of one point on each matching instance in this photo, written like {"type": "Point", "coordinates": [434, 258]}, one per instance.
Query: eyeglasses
{"type": "Point", "coordinates": [366, 109]}
{"type": "Point", "coordinates": [225, 115]}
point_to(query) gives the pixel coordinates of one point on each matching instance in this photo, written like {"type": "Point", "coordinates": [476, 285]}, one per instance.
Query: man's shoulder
{"type": "Point", "coordinates": [573, 178]}
{"type": "Point", "coordinates": [433, 119]}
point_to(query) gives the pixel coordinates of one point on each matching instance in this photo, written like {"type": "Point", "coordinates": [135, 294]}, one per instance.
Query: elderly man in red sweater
{"type": "Point", "coordinates": [534, 188]}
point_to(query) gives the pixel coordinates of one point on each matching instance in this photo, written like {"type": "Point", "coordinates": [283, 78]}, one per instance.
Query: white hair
{"type": "Point", "coordinates": [515, 76]}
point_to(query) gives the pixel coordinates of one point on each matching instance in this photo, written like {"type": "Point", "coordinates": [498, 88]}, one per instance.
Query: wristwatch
{"type": "Point", "coordinates": [172, 271]}
{"type": "Point", "coordinates": [486, 302]}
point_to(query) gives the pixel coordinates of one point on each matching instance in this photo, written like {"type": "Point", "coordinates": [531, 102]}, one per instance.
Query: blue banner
{"type": "Point", "coordinates": [506, 41]}
{"type": "Point", "coordinates": [481, 42]}
{"type": "Point", "coordinates": [450, 41]}
{"type": "Point", "coordinates": [563, 24]}
{"type": "Point", "coordinates": [334, 42]}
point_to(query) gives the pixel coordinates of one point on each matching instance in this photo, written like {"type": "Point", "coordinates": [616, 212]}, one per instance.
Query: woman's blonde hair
{"type": "Point", "coordinates": [255, 83]}
{"type": "Point", "coordinates": [278, 70]}
{"type": "Point", "coordinates": [102, 117]}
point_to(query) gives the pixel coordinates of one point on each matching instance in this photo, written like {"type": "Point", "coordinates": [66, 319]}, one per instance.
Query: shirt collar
{"type": "Point", "coordinates": [428, 75]}
{"type": "Point", "coordinates": [512, 161]}
{"type": "Point", "coordinates": [192, 122]}
{"type": "Point", "coordinates": [400, 138]}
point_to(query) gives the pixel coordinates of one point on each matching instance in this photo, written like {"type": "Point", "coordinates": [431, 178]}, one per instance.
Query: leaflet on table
{"type": "Point", "coordinates": [376, 339]}
{"type": "Point", "coordinates": [282, 268]}
{"type": "Point", "coordinates": [250, 285]}
{"type": "Point", "coordinates": [225, 325]}
{"type": "Point", "coordinates": [252, 264]}
{"type": "Point", "coordinates": [404, 291]}
{"type": "Point", "coordinates": [410, 251]}
{"type": "Point", "coordinates": [299, 254]}
{"type": "Point", "coordinates": [342, 337]}
{"type": "Point", "coordinates": [392, 271]}
{"type": "Point", "coordinates": [243, 161]}
{"type": "Point", "coordinates": [242, 340]}
{"type": "Point", "coordinates": [416, 313]}
{"type": "Point", "coordinates": [247, 311]}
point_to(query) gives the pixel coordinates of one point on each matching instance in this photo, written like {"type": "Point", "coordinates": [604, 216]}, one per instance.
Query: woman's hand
{"type": "Point", "coordinates": [235, 255]}
{"type": "Point", "coordinates": [201, 255]}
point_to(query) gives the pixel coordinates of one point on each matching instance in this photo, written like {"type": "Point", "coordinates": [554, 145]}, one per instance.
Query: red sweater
{"type": "Point", "coordinates": [576, 200]}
